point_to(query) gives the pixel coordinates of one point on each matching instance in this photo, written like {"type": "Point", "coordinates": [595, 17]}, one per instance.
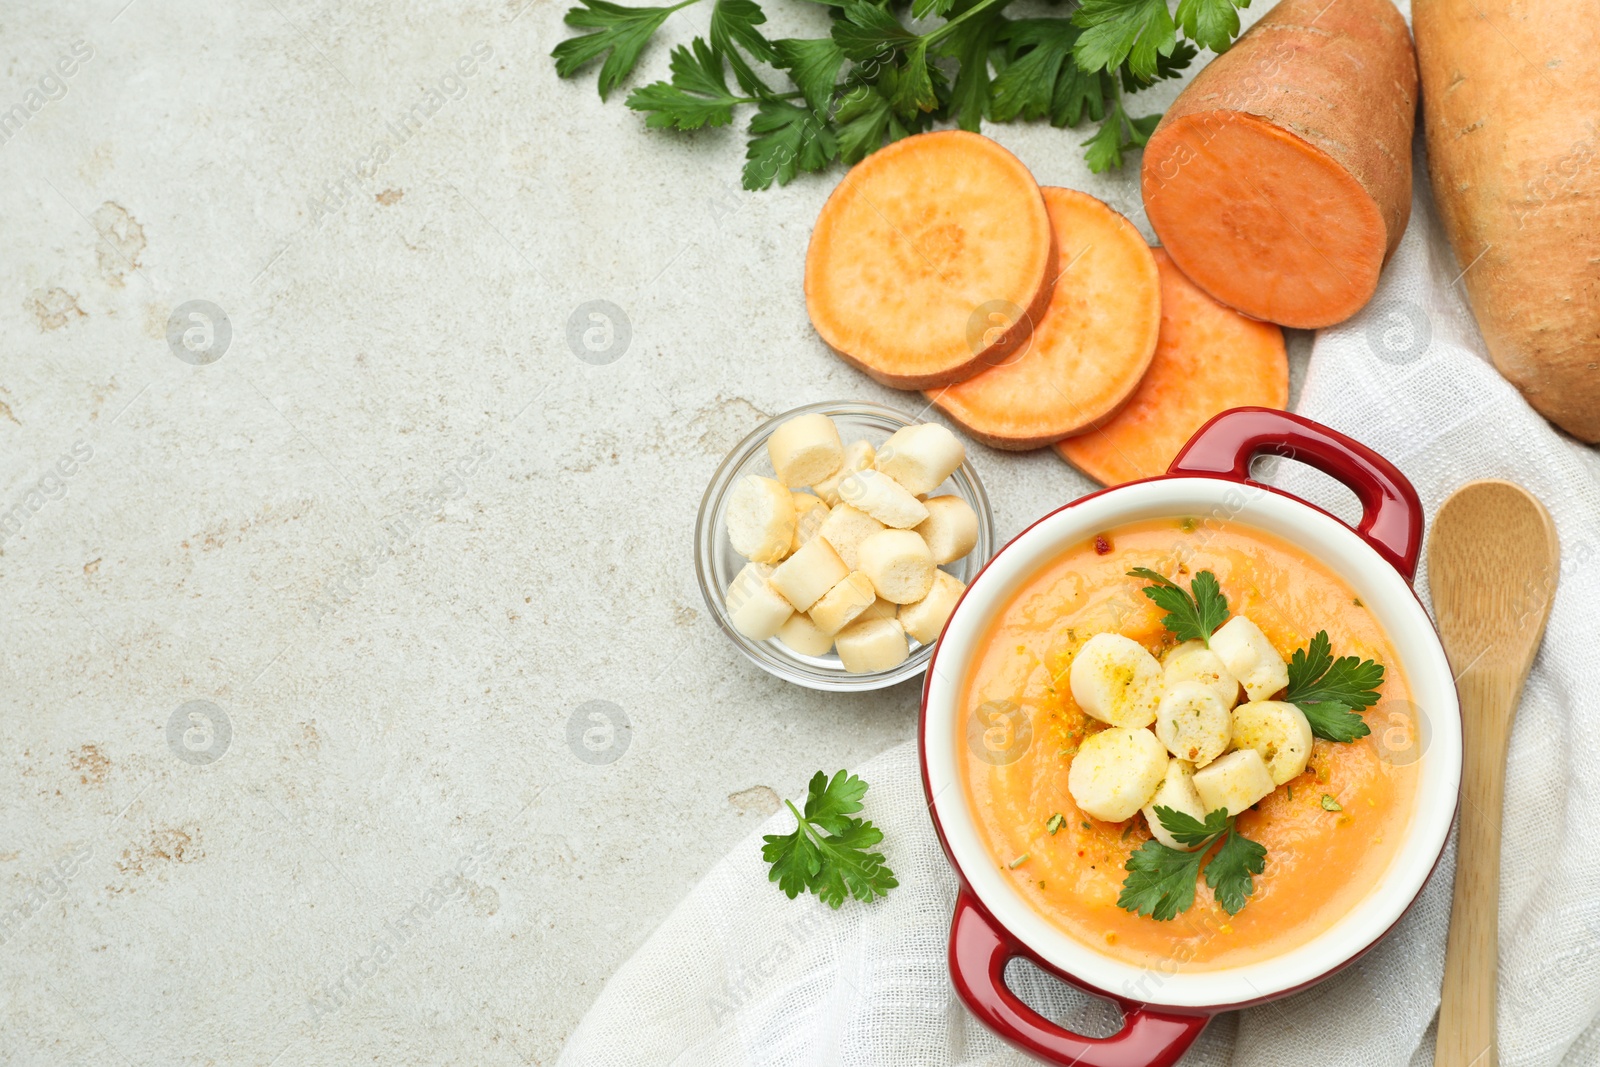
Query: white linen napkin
{"type": "Point", "coordinates": [740, 975]}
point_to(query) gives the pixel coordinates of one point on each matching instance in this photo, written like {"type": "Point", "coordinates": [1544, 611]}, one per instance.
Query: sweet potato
{"type": "Point", "coordinates": [1280, 179]}
{"type": "Point", "coordinates": [1509, 100]}
{"type": "Point", "coordinates": [1088, 351]}
{"type": "Point", "coordinates": [1210, 358]}
{"type": "Point", "coordinates": [929, 261]}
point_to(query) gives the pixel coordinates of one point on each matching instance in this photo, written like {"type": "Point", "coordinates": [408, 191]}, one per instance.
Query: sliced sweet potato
{"type": "Point", "coordinates": [930, 260]}
{"type": "Point", "coordinates": [1089, 350]}
{"type": "Point", "coordinates": [1280, 178]}
{"type": "Point", "coordinates": [1210, 358]}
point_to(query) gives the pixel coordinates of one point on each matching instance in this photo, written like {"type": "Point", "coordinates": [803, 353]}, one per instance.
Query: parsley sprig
{"type": "Point", "coordinates": [827, 854]}
{"type": "Point", "coordinates": [1161, 880]}
{"type": "Point", "coordinates": [1331, 692]}
{"type": "Point", "coordinates": [1193, 614]}
{"type": "Point", "coordinates": [875, 79]}
{"type": "Point", "coordinates": [620, 34]}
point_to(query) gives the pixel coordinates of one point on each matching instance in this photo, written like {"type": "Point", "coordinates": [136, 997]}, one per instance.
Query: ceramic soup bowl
{"type": "Point", "coordinates": [1166, 1007]}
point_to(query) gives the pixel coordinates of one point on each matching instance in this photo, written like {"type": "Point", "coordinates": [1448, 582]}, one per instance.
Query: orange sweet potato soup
{"type": "Point", "coordinates": [1323, 855]}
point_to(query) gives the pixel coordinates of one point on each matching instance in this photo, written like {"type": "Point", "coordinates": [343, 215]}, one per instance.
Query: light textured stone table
{"type": "Point", "coordinates": [392, 536]}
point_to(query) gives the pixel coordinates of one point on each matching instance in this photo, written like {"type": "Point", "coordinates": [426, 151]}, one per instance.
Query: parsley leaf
{"type": "Point", "coordinates": [1190, 617]}
{"type": "Point", "coordinates": [1161, 880]}
{"type": "Point", "coordinates": [697, 95]}
{"type": "Point", "coordinates": [829, 804]}
{"type": "Point", "coordinates": [1330, 692]}
{"type": "Point", "coordinates": [1118, 31]}
{"type": "Point", "coordinates": [1042, 79]}
{"type": "Point", "coordinates": [620, 31]}
{"type": "Point", "coordinates": [784, 140]}
{"type": "Point", "coordinates": [1117, 134]}
{"type": "Point", "coordinates": [913, 84]}
{"type": "Point", "coordinates": [1078, 93]}
{"type": "Point", "coordinates": [865, 120]}
{"type": "Point", "coordinates": [1321, 677]}
{"type": "Point", "coordinates": [1171, 66]}
{"type": "Point", "coordinates": [1228, 873]}
{"type": "Point", "coordinates": [1211, 24]}
{"type": "Point", "coordinates": [827, 854]}
{"type": "Point", "coordinates": [869, 33]}
{"type": "Point", "coordinates": [1103, 151]}
{"type": "Point", "coordinates": [848, 869]}
{"type": "Point", "coordinates": [813, 66]}
{"type": "Point", "coordinates": [736, 21]}
{"type": "Point", "coordinates": [1187, 830]}
{"type": "Point", "coordinates": [970, 93]}
{"type": "Point", "coordinates": [1141, 128]}
{"type": "Point", "coordinates": [1333, 721]}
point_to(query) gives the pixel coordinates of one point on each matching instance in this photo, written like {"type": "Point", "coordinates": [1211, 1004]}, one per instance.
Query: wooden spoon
{"type": "Point", "coordinates": [1493, 558]}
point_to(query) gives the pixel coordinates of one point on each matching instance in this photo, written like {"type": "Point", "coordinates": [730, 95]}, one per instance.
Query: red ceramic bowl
{"type": "Point", "coordinates": [1166, 1007]}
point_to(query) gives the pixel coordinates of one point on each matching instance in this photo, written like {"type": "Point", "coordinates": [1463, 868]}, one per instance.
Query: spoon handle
{"type": "Point", "coordinates": [1472, 953]}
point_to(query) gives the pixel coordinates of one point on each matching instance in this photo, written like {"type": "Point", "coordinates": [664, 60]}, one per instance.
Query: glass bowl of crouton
{"type": "Point", "coordinates": [835, 540]}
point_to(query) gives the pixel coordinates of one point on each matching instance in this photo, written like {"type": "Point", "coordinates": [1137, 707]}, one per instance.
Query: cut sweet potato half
{"type": "Point", "coordinates": [1089, 350]}
{"type": "Point", "coordinates": [1280, 178]}
{"type": "Point", "coordinates": [930, 260]}
{"type": "Point", "coordinates": [1210, 358]}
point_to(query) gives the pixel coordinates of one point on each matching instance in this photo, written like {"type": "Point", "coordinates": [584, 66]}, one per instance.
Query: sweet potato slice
{"type": "Point", "coordinates": [930, 260]}
{"type": "Point", "coordinates": [1210, 358]}
{"type": "Point", "coordinates": [1089, 350]}
{"type": "Point", "coordinates": [1280, 179]}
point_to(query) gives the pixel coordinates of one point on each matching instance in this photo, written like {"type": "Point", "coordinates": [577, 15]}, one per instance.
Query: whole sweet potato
{"type": "Point", "coordinates": [1511, 107]}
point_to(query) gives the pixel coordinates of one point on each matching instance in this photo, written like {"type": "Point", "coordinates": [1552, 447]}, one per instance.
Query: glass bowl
{"type": "Point", "coordinates": [716, 563]}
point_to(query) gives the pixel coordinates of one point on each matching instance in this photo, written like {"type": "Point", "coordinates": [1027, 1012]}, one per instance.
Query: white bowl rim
{"type": "Point", "coordinates": [1383, 590]}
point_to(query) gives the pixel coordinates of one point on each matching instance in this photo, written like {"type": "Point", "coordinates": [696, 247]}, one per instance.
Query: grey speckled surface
{"type": "Point", "coordinates": [395, 536]}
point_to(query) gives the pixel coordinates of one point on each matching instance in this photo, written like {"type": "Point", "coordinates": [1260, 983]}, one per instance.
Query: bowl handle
{"type": "Point", "coordinates": [1391, 513]}
{"type": "Point", "coordinates": [979, 951]}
